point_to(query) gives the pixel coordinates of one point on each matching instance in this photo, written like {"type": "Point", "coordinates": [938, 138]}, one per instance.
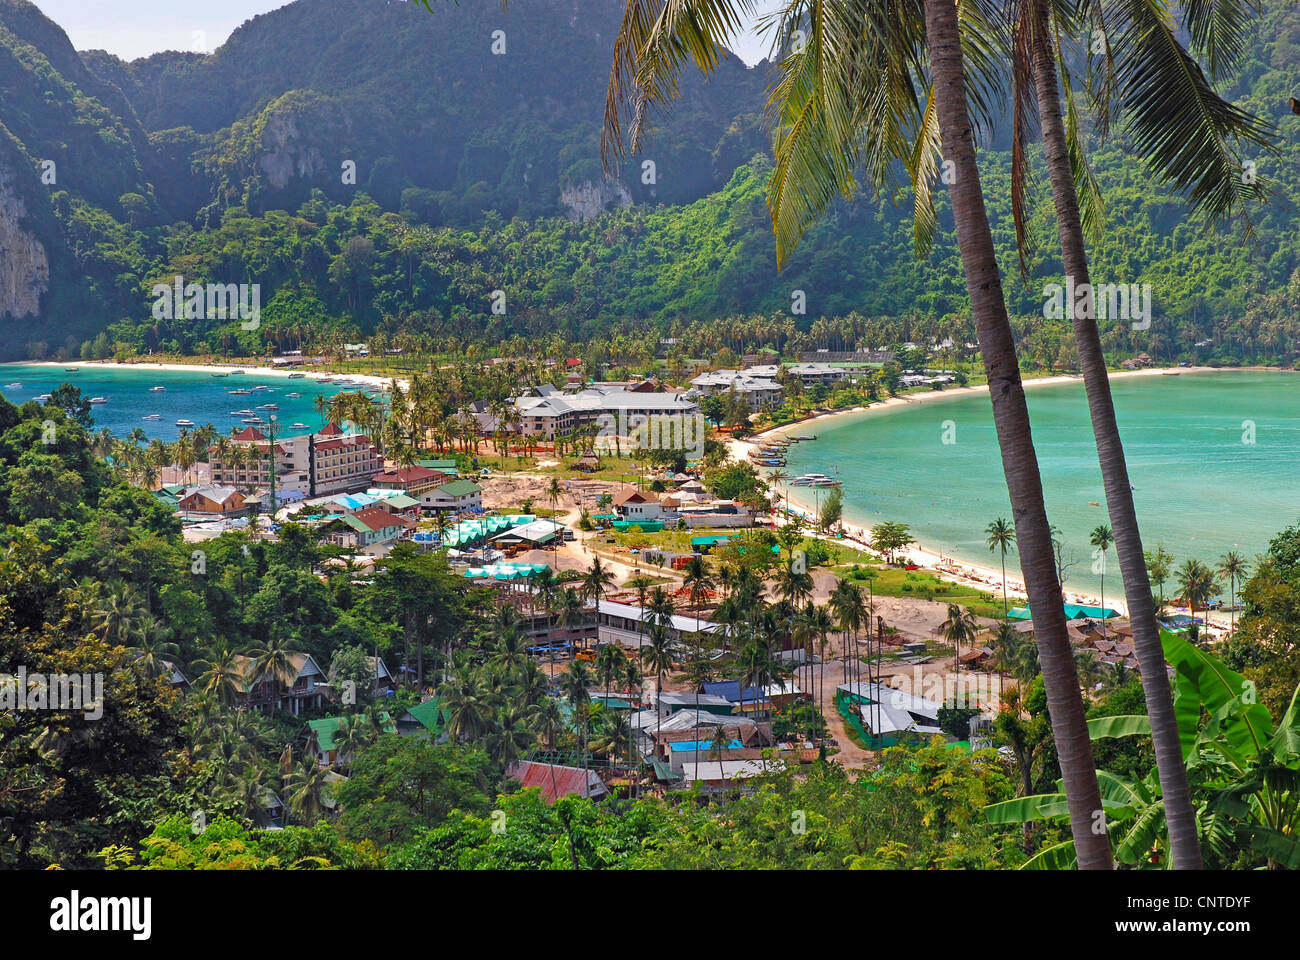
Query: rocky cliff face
{"type": "Point", "coordinates": [24, 266]}
{"type": "Point", "coordinates": [582, 201]}
{"type": "Point", "coordinates": [287, 156]}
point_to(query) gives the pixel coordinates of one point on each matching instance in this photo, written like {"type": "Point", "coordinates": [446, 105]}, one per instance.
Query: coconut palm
{"type": "Point", "coordinates": [659, 658]}
{"type": "Point", "coordinates": [1160, 565]}
{"type": "Point", "coordinates": [960, 626]}
{"type": "Point", "coordinates": [575, 686]}
{"type": "Point", "coordinates": [1001, 538]}
{"type": "Point", "coordinates": [1198, 584]}
{"type": "Point", "coordinates": [305, 788]}
{"type": "Point", "coordinates": [874, 55]}
{"type": "Point", "coordinates": [1102, 538]}
{"type": "Point", "coordinates": [118, 615]}
{"type": "Point", "coordinates": [273, 663]}
{"type": "Point", "coordinates": [1233, 566]}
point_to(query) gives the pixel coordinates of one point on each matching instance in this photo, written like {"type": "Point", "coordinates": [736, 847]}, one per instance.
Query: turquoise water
{"type": "Point", "coordinates": [196, 396]}
{"type": "Point", "coordinates": [1199, 487]}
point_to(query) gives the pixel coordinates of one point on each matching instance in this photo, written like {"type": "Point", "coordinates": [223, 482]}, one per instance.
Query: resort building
{"type": "Point", "coordinates": [635, 505]}
{"type": "Point", "coordinates": [414, 481]}
{"type": "Point", "coordinates": [545, 411]}
{"type": "Point", "coordinates": [454, 496]}
{"type": "Point", "coordinates": [755, 386]}
{"type": "Point", "coordinates": [315, 464]}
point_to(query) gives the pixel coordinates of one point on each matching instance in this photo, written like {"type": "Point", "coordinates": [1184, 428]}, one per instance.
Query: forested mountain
{"type": "Point", "coordinates": [478, 171]}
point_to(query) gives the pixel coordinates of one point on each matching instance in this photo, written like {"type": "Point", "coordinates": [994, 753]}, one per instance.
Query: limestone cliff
{"type": "Point", "coordinates": [24, 266]}
{"type": "Point", "coordinates": [582, 201]}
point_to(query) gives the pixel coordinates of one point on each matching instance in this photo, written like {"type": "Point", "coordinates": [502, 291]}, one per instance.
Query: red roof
{"type": "Point", "coordinates": [569, 781]}
{"type": "Point", "coordinates": [351, 441]}
{"type": "Point", "coordinates": [405, 475]}
{"type": "Point", "coordinates": [250, 433]}
{"type": "Point", "coordinates": [572, 362]}
{"type": "Point", "coordinates": [331, 430]}
{"type": "Point", "coordinates": [377, 519]}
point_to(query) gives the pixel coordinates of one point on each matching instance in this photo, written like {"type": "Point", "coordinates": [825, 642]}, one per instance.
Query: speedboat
{"type": "Point", "coordinates": [157, 389]}
{"type": "Point", "coordinates": [253, 420]}
{"type": "Point", "coordinates": [299, 426]}
{"type": "Point", "coordinates": [13, 386]}
{"type": "Point", "coordinates": [152, 416]}
{"type": "Point", "coordinates": [296, 376]}
{"type": "Point", "coordinates": [184, 423]}
{"type": "Point", "coordinates": [71, 369]}
{"type": "Point", "coordinates": [293, 396]}
{"type": "Point", "coordinates": [242, 413]}
{"type": "Point", "coordinates": [240, 393]}
{"type": "Point", "coordinates": [42, 398]}
{"type": "Point", "coordinates": [221, 374]}
{"type": "Point", "coordinates": [237, 373]}
{"type": "Point", "coordinates": [814, 480]}
{"type": "Point", "coordinates": [268, 406]}
{"type": "Point", "coordinates": [99, 400]}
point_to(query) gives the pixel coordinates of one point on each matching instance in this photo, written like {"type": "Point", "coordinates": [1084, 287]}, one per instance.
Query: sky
{"type": "Point", "coordinates": [137, 28]}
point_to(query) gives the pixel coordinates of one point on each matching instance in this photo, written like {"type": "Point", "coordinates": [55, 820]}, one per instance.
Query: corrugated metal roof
{"type": "Point", "coordinates": [557, 781]}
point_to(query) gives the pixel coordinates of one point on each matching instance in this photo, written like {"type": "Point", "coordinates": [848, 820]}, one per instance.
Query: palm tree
{"type": "Point", "coordinates": [1198, 584]}
{"type": "Point", "coordinates": [152, 649]}
{"type": "Point", "coordinates": [220, 676]}
{"type": "Point", "coordinates": [959, 627]}
{"type": "Point", "coordinates": [1001, 537]}
{"type": "Point", "coordinates": [1233, 566]}
{"type": "Point", "coordinates": [851, 614]}
{"type": "Point", "coordinates": [117, 617]}
{"type": "Point", "coordinates": [1183, 130]}
{"type": "Point", "coordinates": [717, 748]}
{"type": "Point", "coordinates": [658, 657]}
{"type": "Point", "coordinates": [574, 685]}
{"type": "Point", "coordinates": [881, 65]}
{"type": "Point", "coordinates": [1102, 538]}
{"type": "Point", "coordinates": [305, 789]}
{"type": "Point", "coordinates": [510, 735]}
{"type": "Point", "coordinates": [273, 663]}
{"type": "Point", "coordinates": [549, 723]}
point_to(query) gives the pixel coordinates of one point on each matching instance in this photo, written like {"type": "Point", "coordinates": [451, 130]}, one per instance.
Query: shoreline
{"type": "Point", "coordinates": [249, 368]}
{"type": "Point", "coordinates": [965, 573]}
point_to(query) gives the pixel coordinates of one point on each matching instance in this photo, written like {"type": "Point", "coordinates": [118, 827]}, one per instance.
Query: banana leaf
{"type": "Point", "coordinates": [1201, 680]}
{"type": "Point", "coordinates": [1122, 726]}
{"type": "Point", "coordinates": [1060, 856]}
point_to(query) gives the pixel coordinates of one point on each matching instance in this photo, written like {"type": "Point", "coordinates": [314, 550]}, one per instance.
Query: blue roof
{"type": "Point", "coordinates": [731, 690]}
{"type": "Point", "coordinates": [1073, 611]}
{"type": "Point", "coordinates": [704, 744]}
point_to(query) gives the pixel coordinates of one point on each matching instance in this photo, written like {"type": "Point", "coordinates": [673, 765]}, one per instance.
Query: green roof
{"type": "Point", "coordinates": [458, 488]}
{"type": "Point", "coordinates": [401, 501]}
{"type": "Point", "coordinates": [429, 715]}
{"type": "Point", "coordinates": [442, 466]}
{"type": "Point", "coordinates": [326, 729]}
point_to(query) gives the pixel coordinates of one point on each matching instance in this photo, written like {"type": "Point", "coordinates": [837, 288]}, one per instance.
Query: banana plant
{"type": "Point", "coordinates": [1244, 771]}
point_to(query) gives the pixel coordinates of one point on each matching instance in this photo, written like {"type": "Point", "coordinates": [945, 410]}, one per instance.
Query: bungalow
{"type": "Point", "coordinates": [427, 719]}
{"type": "Point", "coordinates": [383, 679]}
{"type": "Point", "coordinates": [213, 501]}
{"type": "Point", "coordinates": [455, 496]}
{"type": "Point", "coordinates": [639, 505]}
{"type": "Point", "coordinates": [308, 690]}
{"type": "Point", "coordinates": [325, 732]}
{"type": "Point", "coordinates": [626, 623]}
{"type": "Point", "coordinates": [367, 527]}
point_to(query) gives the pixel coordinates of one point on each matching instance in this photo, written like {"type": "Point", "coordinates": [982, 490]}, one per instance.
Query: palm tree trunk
{"type": "Point", "coordinates": [1179, 813]}
{"type": "Point", "coordinates": [1015, 440]}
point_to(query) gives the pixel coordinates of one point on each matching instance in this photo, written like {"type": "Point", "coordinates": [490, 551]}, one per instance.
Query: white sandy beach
{"type": "Point", "coordinates": [261, 371]}
{"type": "Point", "coordinates": [970, 574]}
